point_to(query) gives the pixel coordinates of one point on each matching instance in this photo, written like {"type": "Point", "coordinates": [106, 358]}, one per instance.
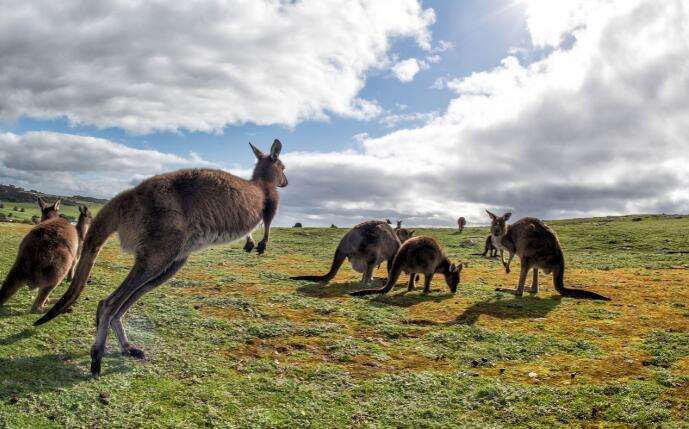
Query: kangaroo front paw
{"type": "Point", "coordinates": [249, 245]}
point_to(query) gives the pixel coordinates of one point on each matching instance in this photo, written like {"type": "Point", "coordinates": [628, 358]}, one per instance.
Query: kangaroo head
{"type": "Point", "coordinates": [85, 218]}
{"type": "Point", "coordinates": [399, 224]}
{"type": "Point", "coordinates": [498, 225]}
{"type": "Point", "coordinates": [452, 275]}
{"type": "Point", "coordinates": [269, 168]}
{"type": "Point", "coordinates": [404, 234]}
{"type": "Point", "coordinates": [48, 211]}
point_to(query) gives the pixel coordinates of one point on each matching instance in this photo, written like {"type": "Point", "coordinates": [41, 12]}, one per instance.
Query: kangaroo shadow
{"type": "Point", "coordinates": [408, 299]}
{"type": "Point", "coordinates": [26, 333]}
{"type": "Point", "coordinates": [37, 374]}
{"type": "Point", "coordinates": [332, 290]}
{"type": "Point", "coordinates": [528, 307]}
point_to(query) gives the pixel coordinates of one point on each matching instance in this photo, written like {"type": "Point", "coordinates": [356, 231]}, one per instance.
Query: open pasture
{"type": "Point", "coordinates": [231, 341]}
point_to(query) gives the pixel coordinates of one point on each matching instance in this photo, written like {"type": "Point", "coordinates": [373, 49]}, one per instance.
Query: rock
{"type": "Point", "coordinates": [532, 374]}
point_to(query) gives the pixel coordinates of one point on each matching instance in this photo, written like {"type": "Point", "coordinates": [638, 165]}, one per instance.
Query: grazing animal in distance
{"type": "Point", "coordinates": [404, 234]}
{"type": "Point", "coordinates": [461, 222]}
{"type": "Point", "coordinates": [489, 249]}
{"type": "Point", "coordinates": [538, 248]}
{"type": "Point", "coordinates": [162, 221]}
{"type": "Point", "coordinates": [46, 255]}
{"type": "Point", "coordinates": [419, 255]}
{"type": "Point", "coordinates": [366, 246]}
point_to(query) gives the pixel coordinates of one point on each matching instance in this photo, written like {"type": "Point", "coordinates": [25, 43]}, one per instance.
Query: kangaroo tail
{"type": "Point", "coordinates": [558, 282]}
{"type": "Point", "coordinates": [338, 259]}
{"type": "Point", "coordinates": [11, 285]}
{"type": "Point", "coordinates": [392, 279]}
{"type": "Point", "coordinates": [105, 223]}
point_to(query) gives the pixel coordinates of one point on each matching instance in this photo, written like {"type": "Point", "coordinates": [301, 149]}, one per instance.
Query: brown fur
{"type": "Point", "coordinates": [538, 248]}
{"type": "Point", "coordinates": [489, 250]}
{"type": "Point", "coordinates": [404, 234]}
{"type": "Point", "coordinates": [46, 255]}
{"type": "Point", "coordinates": [366, 246]}
{"type": "Point", "coordinates": [163, 220]}
{"type": "Point", "coordinates": [419, 255]}
{"type": "Point", "coordinates": [461, 223]}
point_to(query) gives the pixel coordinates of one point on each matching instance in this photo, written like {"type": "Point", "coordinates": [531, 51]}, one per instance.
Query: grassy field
{"type": "Point", "coordinates": [233, 342]}
{"type": "Point", "coordinates": [31, 209]}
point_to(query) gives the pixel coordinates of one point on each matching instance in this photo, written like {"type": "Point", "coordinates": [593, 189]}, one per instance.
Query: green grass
{"type": "Point", "coordinates": [233, 342]}
{"type": "Point", "coordinates": [31, 209]}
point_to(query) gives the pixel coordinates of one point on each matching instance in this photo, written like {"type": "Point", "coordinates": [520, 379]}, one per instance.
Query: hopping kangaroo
{"type": "Point", "coordinates": [46, 255]}
{"type": "Point", "coordinates": [366, 246]}
{"type": "Point", "coordinates": [538, 248]}
{"type": "Point", "coordinates": [163, 220]}
{"type": "Point", "coordinates": [461, 222]}
{"type": "Point", "coordinates": [419, 255]}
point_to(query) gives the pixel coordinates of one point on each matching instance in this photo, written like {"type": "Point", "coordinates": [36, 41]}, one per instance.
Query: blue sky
{"type": "Point", "coordinates": [537, 107]}
{"type": "Point", "coordinates": [482, 33]}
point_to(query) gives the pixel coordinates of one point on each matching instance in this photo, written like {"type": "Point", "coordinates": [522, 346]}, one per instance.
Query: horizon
{"type": "Point", "coordinates": [416, 110]}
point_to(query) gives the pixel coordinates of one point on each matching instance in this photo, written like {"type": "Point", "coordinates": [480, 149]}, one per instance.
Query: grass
{"type": "Point", "coordinates": [233, 342]}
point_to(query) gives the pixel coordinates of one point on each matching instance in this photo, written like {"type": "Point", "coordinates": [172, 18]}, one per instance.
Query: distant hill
{"type": "Point", "coordinates": [14, 194]}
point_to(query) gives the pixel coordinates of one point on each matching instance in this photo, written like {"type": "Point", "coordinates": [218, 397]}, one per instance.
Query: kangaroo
{"type": "Point", "coordinates": [538, 248]}
{"type": "Point", "coordinates": [399, 224]}
{"type": "Point", "coordinates": [419, 255]}
{"type": "Point", "coordinates": [461, 222]}
{"type": "Point", "coordinates": [404, 234]}
{"type": "Point", "coordinates": [489, 249]}
{"type": "Point", "coordinates": [366, 246]}
{"type": "Point", "coordinates": [163, 220]}
{"type": "Point", "coordinates": [46, 254]}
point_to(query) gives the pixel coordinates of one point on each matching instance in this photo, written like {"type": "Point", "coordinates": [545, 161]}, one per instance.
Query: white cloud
{"type": "Point", "coordinates": [598, 126]}
{"type": "Point", "coordinates": [406, 70]}
{"type": "Point", "coordinates": [67, 163]}
{"type": "Point", "coordinates": [146, 66]}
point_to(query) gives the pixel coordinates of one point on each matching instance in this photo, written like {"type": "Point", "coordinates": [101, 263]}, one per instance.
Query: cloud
{"type": "Point", "coordinates": [149, 66]}
{"type": "Point", "coordinates": [405, 70]}
{"type": "Point", "coordinates": [597, 126]}
{"type": "Point", "coordinates": [67, 163]}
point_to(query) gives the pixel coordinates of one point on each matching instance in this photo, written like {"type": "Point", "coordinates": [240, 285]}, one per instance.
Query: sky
{"type": "Point", "coordinates": [415, 110]}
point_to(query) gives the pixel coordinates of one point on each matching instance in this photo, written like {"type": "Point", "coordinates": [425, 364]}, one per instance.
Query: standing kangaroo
{"type": "Point", "coordinates": [489, 250]}
{"type": "Point", "coordinates": [419, 255]}
{"type": "Point", "coordinates": [366, 246]}
{"type": "Point", "coordinates": [537, 247]}
{"type": "Point", "coordinates": [461, 223]}
{"type": "Point", "coordinates": [46, 254]}
{"type": "Point", "coordinates": [163, 220]}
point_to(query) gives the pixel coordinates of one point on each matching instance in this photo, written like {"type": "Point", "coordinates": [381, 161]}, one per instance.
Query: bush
{"type": "Point", "coordinates": [297, 225]}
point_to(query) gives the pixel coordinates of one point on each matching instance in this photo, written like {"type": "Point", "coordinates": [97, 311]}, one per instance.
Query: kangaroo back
{"type": "Point", "coordinates": [105, 223]}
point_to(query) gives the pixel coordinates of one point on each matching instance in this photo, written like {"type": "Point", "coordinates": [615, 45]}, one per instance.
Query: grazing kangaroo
{"type": "Point", "coordinates": [538, 248]}
{"type": "Point", "coordinates": [46, 254]}
{"type": "Point", "coordinates": [419, 255]}
{"type": "Point", "coordinates": [366, 246]}
{"type": "Point", "coordinates": [163, 220]}
{"type": "Point", "coordinates": [461, 222]}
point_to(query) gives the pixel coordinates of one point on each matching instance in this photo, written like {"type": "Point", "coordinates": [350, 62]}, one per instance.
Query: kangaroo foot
{"type": "Point", "coordinates": [249, 245]}
{"type": "Point", "coordinates": [134, 352]}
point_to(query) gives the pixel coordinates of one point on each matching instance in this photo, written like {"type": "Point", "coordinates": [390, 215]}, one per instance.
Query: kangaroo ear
{"type": "Point", "coordinates": [83, 210]}
{"type": "Point", "coordinates": [257, 151]}
{"type": "Point", "coordinates": [507, 215]}
{"type": "Point", "coordinates": [56, 205]}
{"type": "Point", "coordinates": [275, 150]}
{"type": "Point", "coordinates": [492, 216]}
{"type": "Point", "coordinates": [453, 268]}
{"type": "Point", "coordinates": [41, 203]}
